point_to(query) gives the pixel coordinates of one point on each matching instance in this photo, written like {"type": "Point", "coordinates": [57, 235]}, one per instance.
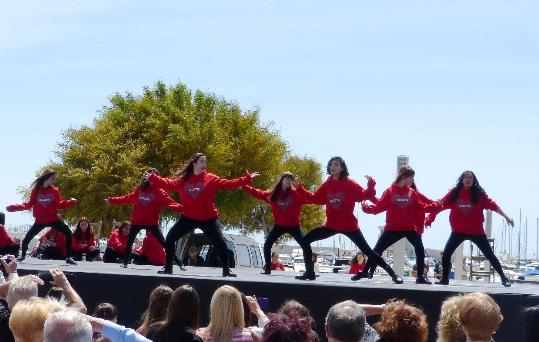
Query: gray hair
{"type": "Point", "coordinates": [19, 289]}
{"type": "Point", "coordinates": [67, 326]}
{"type": "Point", "coordinates": [345, 322]}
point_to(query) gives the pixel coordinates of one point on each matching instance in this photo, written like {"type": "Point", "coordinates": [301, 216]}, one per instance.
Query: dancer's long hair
{"type": "Point", "coordinates": [38, 183]}
{"type": "Point", "coordinates": [476, 191]}
{"type": "Point", "coordinates": [186, 170]}
{"type": "Point", "coordinates": [78, 230]}
{"type": "Point", "coordinates": [404, 172]}
{"type": "Point", "coordinates": [144, 183]}
{"type": "Point", "coordinates": [344, 172]}
{"type": "Point", "coordinates": [279, 187]}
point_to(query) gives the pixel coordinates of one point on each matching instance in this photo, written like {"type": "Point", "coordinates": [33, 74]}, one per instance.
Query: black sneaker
{"type": "Point", "coordinates": [396, 279]}
{"type": "Point", "coordinates": [183, 268]}
{"type": "Point", "coordinates": [165, 270]}
{"type": "Point", "coordinates": [506, 282]}
{"type": "Point", "coordinates": [423, 280]}
{"type": "Point", "coordinates": [360, 275]}
{"type": "Point", "coordinates": [70, 261]}
{"type": "Point", "coordinates": [228, 273]}
{"type": "Point", "coordinates": [443, 281]}
{"type": "Point", "coordinates": [306, 276]}
{"type": "Point", "coordinates": [21, 258]}
{"type": "Point", "coordinates": [266, 271]}
{"type": "Point", "coordinates": [370, 275]}
{"type": "Point", "coordinates": [123, 265]}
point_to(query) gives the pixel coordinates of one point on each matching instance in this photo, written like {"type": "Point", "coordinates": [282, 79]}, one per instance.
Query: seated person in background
{"type": "Point", "coordinates": [151, 252]}
{"type": "Point", "coordinates": [193, 259]}
{"type": "Point", "coordinates": [116, 244]}
{"type": "Point", "coordinates": [84, 241]}
{"type": "Point", "coordinates": [438, 267]}
{"type": "Point", "coordinates": [276, 264]}
{"type": "Point", "coordinates": [357, 264]}
{"type": "Point", "coordinates": [316, 264]}
{"type": "Point", "coordinates": [414, 270]}
{"type": "Point", "coordinates": [8, 245]}
{"type": "Point", "coordinates": [52, 245]}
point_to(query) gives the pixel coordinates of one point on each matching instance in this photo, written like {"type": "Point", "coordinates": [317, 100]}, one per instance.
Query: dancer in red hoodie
{"type": "Point", "coordinates": [147, 201]}
{"type": "Point", "coordinates": [84, 241]}
{"type": "Point", "coordinates": [286, 203]}
{"type": "Point", "coordinates": [151, 252]}
{"type": "Point", "coordinates": [116, 243]}
{"type": "Point", "coordinates": [45, 200]}
{"type": "Point", "coordinates": [197, 189]}
{"type": "Point", "coordinates": [402, 206]}
{"type": "Point", "coordinates": [7, 244]}
{"type": "Point", "coordinates": [467, 200]}
{"type": "Point", "coordinates": [339, 194]}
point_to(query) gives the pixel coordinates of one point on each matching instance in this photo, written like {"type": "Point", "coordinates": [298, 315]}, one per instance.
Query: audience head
{"type": "Point", "coordinates": [183, 308]}
{"type": "Point", "coordinates": [157, 307]}
{"type": "Point", "coordinates": [28, 318]}
{"type": "Point", "coordinates": [449, 328]}
{"type": "Point", "coordinates": [21, 288]}
{"type": "Point", "coordinates": [291, 307]}
{"type": "Point", "coordinates": [193, 252]}
{"type": "Point", "coordinates": [479, 315]}
{"type": "Point", "coordinates": [530, 322]}
{"type": "Point", "coordinates": [284, 328]}
{"type": "Point", "coordinates": [402, 322]}
{"type": "Point", "coordinates": [67, 326]}
{"type": "Point", "coordinates": [56, 293]}
{"type": "Point", "coordinates": [345, 322]}
{"type": "Point", "coordinates": [106, 311]}
{"type": "Point", "coordinates": [226, 313]}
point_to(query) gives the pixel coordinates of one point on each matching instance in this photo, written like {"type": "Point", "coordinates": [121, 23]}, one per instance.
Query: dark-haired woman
{"type": "Point", "coordinates": [116, 243]}
{"type": "Point", "coordinates": [182, 318]}
{"type": "Point", "coordinates": [286, 203]}
{"type": "Point", "coordinates": [339, 194]}
{"type": "Point", "coordinates": [467, 200]}
{"type": "Point", "coordinates": [401, 204]}
{"type": "Point", "coordinates": [147, 201]}
{"type": "Point", "coordinates": [45, 200]}
{"type": "Point", "coordinates": [84, 241]}
{"type": "Point", "coordinates": [197, 189]}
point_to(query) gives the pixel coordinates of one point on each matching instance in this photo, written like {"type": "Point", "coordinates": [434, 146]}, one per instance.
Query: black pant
{"type": "Point", "coordinates": [357, 238]}
{"type": "Point", "coordinates": [455, 239]}
{"type": "Point", "coordinates": [90, 255]}
{"type": "Point", "coordinates": [275, 234]}
{"type": "Point", "coordinates": [211, 228]}
{"type": "Point", "coordinates": [389, 237]}
{"type": "Point", "coordinates": [37, 227]}
{"type": "Point", "coordinates": [133, 234]}
{"type": "Point", "coordinates": [139, 259]}
{"type": "Point", "coordinates": [12, 249]}
{"type": "Point", "coordinates": [52, 253]}
{"type": "Point", "coordinates": [111, 255]}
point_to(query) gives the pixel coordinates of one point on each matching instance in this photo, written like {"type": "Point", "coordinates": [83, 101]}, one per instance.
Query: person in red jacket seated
{"type": "Point", "coordinates": [467, 200]}
{"type": "Point", "coordinates": [45, 200]}
{"type": "Point", "coordinates": [115, 249]}
{"type": "Point", "coordinates": [357, 264]}
{"type": "Point", "coordinates": [150, 253]}
{"type": "Point", "coordinates": [8, 245]}
{"type": "Point", "coordinates": [52, 245]}
{"type": "Point", "coordinates": [84, 241]}
{"type": "Point", "coordinates": [276, 264]}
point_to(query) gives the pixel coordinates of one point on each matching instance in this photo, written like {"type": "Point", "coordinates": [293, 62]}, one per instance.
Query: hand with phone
{"type": "Point", "coordinates": [255, 305]}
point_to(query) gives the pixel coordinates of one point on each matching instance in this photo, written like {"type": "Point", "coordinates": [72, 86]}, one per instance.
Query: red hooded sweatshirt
{"type": "Point", "coordinates": [197, 193]}
{"type": "Point", "coordinates": [117, 241]}
{"type": "Point", "coordinates": [420, 214]}
{"type": "Point", "coordinates": [58, 238]}
{"type": "Point", "coordinates": [465, 217]}
{"type": "Point", "coordinates": [286, 210]}
{"type": "Point", "coordinates": [5, 239]}
{"type": "Point", "coordinates": [152, 249]}
{"type": "Point", "coordinates": [44, 202]}
{"type": "Point", "coordinates": [77, 243]}
{"type": "Point", "coordinates": [401, 205]}
{"type": "Point", "coordinates": [340, 197]}
{"type": "Point", "coordinates": [147, 205]}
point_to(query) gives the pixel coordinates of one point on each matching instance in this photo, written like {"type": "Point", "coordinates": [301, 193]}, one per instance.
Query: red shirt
{"type": "Point", "coordinates": [401, 205]}
{"type": "Point", "coordinates": [152, 249]}
{"type": "Point", "coordinates": [466, 217]}
{"type": "Point", "coordinates": [197, 193]}
{"type": "Point", "coordinates": [117, 241]}
{"type": "Point", "coordinates": [356, 267]}
{"type": "Point", "coordinates": [286, 210]}
{"type": "Point", "coordinates": [5, 239]}
{"type": "Point", "coordinates": [77, 244]}
{"type": "Point", "coordinates": [340, 197]}
{"type": "Point", "coordinates": [420, 214]}
{"type": "Point", "coordinates": [277, 265]}
{"type": "Point", "coordinates": [58, 238]}
{"type": "Point", "coordinates": [44, 202]}
{"type": "Point", "coordinates": [147, 205]}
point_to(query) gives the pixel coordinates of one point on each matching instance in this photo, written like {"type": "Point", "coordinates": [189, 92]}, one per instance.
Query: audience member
{"type": "Point", "coordinates": [67, 326]}
{"type": "Point", "coordinates": [284, 328]}
{"type": "Point", "coordinates": [106, 311]}
{"type": "Point", "coordinates": [448, 327]}
{"type": "Point", "coordinates": [345, 322]}
{"type": "Point", "coordinates": [402, 322]}
{"type": "Point", "coordinates": [292, 307]}
{"type": "Point", "coordinates": [480, 316]}
{"type": "Point", "coordinates": [530, 324]}
{"type": "Point", "coordinates": [193, 258]}
{"type": "Point", "coordinates": [28, 318]}
{"type": "Point", "coordinates": [157, 308]}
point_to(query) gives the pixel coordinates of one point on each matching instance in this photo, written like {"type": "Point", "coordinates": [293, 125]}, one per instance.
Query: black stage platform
{"type": "Point", "coordinates": [129, 289]}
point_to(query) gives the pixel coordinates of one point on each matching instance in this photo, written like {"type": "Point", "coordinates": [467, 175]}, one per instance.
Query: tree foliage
{"type": "Point", "coordinates": [162, 128]}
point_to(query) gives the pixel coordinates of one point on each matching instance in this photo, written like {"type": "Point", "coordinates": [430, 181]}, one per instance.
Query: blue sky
{"type": "Point", "coordinates": [453, 85]}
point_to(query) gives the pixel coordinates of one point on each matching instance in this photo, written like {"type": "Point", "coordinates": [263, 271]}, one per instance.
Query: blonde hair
{"type": "Point", "coordinates": [448, 327]}
{"type": "Point", "coordinates": [226, 313]}
{"type": "Point", "coordinates": [21, 288]}
{"type": "Point", "coordinates": [479, 315]}
{"type": "Point", "coordinates": [27, 320]}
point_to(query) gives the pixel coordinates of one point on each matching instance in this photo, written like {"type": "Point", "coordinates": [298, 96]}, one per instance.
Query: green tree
{"type": "Point", "coordinates": [162, 128]}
